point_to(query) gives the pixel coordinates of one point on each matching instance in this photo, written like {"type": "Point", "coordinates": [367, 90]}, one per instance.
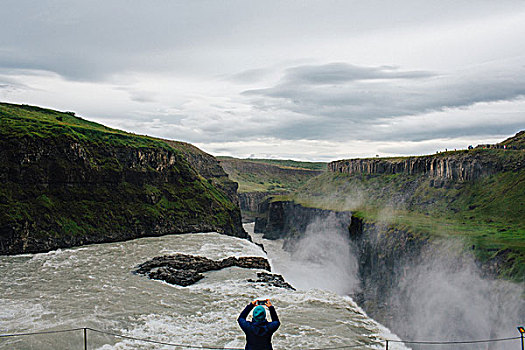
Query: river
{"type": "Point", "coordinates": [93, 286]}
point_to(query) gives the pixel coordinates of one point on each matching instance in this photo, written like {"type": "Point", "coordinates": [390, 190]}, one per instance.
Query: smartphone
{"type": "Point", "coordinates": [261, 302]}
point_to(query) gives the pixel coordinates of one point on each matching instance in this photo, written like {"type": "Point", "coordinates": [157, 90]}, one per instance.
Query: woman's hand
{"type": "Point", "coordinates": [268, 303]}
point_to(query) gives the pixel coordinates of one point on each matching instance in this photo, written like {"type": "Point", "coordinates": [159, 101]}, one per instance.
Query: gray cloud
{"type": "Point", "coordinates": [173, 68]}
{"type": "Point", "coordinates": [9, 84]}
{"type": "Point", "coordinates": [250, 75]}
{"type": "Point", "coordinates": [95, 39]}
{"type": "Point", "coordinates": [138, 95]}
{"type": "Point", "coordinates": [448, 130]}
{"type": "Point", "coordinates": [348, 100]}
{"type": "Point", "coordinates": [339, 73]}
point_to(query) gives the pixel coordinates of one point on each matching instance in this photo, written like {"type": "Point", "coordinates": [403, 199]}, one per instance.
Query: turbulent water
{"type": "Point", "coordinates": [93, 286]}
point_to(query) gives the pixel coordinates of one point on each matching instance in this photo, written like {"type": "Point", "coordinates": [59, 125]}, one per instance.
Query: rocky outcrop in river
{"type": "Point", "coordinates": [272, 279]}
{"type": "Point", "coordinates": [185, 270]}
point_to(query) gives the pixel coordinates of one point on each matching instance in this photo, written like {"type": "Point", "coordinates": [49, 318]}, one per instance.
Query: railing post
{"type": "Point", "coordinates": [387, 345]}
{"type": "Point", "coordinates": [522, 341]}
{"type": "Point", "coordinates": [85, 338]}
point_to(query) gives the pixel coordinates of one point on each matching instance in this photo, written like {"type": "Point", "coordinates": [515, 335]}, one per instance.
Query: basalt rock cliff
{"type": "Point", "coordinates": [66, 181]}
{"type": "Point", "coordinates": [393, 263]}
{"type": "Point", "coordinates": [208, 166]}
{"type": "Point", "coordinates": [286, 219]}
{"type": "Point", "coordinates": [453, 166]}
{"type": "Point", "coordinates": [249, 201]}
{"type": "Point", "coordinates": [405, 275]}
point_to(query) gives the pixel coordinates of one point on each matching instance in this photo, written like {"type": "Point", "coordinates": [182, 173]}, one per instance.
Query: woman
{"type": "Point", "coordinates": [259, 331]}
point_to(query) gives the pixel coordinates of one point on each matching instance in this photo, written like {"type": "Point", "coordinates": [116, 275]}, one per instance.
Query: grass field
{"type": "Point", "coordinates": [288, 163]}
{"type": "Point", "coordinates": [270, 175]}
{"type": "Point", "coordinates": [31, 121]}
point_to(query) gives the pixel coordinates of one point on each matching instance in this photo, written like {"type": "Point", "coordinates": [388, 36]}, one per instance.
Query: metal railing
{"type": "Point", "coordinates": [385, 342]}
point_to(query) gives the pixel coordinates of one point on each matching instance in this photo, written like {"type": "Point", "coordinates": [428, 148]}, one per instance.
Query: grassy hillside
{"type": "Point", "coordinates": [270, 175]}
{"type": "Point", "coordinates": [488, 214]}
{"type": "Point", "coordinates": [67, 181]}
{"type": "Point", "coordinates": [35, 122]}
{"type": "Point", "coordinates": [287, 163]}
{"type": "Point", "coordinates": [517, 141]}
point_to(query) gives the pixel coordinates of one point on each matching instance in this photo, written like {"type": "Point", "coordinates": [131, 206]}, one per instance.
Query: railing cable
{"type": "Point", "coordinates": [223, 348]}
{"type": "Point", "coordinates": [349, 346]}
{"type": "Point", "coordinates": [162, 343]}
{"type": "Point", "coordinates": [453, 342]}
{"type": "Point", "coordinates": [37, 333]}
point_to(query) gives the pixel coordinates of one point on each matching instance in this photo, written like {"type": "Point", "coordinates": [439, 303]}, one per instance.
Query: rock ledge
{"type": "Point", "coordinates": [185, 270]}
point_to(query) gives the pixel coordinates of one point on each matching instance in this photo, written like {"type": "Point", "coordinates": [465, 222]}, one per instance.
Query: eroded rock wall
{"type": "Point", "coordinates": [249, 201]}
{"type": "Point", "coordinates": [458, 166]}
{"type": "Point", "coordinates": [286, 219]}
{"type": "Point", "coordinates": [61, 192]}
{"type": "Point", "coordinates": [209, 167]}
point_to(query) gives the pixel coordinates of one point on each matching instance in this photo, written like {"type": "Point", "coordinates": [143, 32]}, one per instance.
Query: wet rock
{"type": "Point", "coordinates": [272, 279]}
{"type": "Point", "coordinates": [173, 276]}
{"type": "Point", "coordinates": [262, 246]}
{"type": "Point", "coordinates": [185, 270]}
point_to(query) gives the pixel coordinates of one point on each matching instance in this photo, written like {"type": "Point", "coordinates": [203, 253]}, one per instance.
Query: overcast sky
{"type": "Point", "coordinates": [307, 80]}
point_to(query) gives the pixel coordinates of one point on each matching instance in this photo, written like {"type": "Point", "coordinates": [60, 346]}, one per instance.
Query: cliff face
{"type": "Point", "coordinates": [407, 278]}
{"type": "Point", "coordinates": [286, 219]}
{"type": "Point", "coordinates": [208, 166]}
{"type": "Point", "coordinates": [385, 255]}
{"type": "Point", "coordinates": [249, 201]}
{"type": "Point", "coordinates": [456, 166]}
{"type": "Point", "coordinates": [68, 182]}
{"type": "Point", "coordinates": [422, 286]}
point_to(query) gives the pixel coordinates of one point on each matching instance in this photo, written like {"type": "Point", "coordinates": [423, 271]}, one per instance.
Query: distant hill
{"type": "Point", "coordinates": [258, 178]}
{"type": "Point", "coordinates": [269, 175]}
{"type": "Point", "coordinates": [284, 163]}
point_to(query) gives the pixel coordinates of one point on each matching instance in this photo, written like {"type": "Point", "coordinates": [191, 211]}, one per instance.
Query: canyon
{"type": "Point", "coordinates": [428, 234]}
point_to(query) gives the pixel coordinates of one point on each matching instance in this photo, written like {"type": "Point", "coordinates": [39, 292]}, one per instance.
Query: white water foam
{"type": "Point", "coordinates": [93, 287]}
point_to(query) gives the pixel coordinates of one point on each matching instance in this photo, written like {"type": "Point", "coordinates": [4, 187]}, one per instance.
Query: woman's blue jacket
{"type": "Point", "coordinates": [258, 334]}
